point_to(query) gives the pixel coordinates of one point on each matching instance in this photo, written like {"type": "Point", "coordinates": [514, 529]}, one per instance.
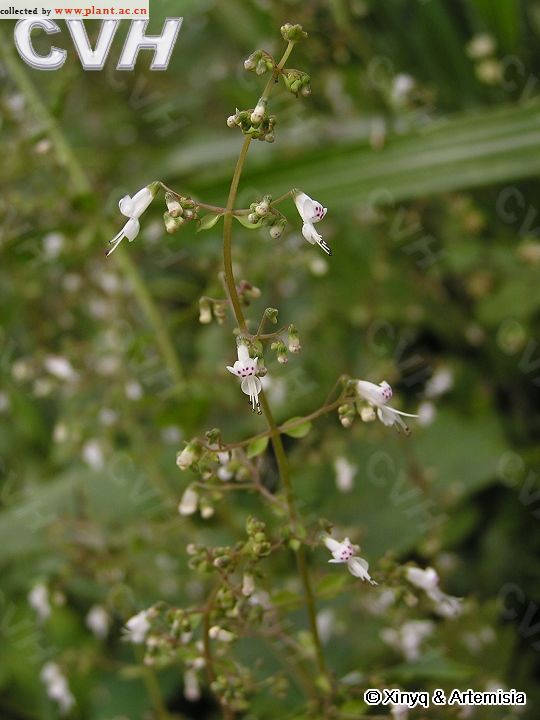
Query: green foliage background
{"type": "Point", "coordinates": [457, 165]}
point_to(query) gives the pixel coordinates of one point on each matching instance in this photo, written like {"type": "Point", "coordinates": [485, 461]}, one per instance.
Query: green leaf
{"type": "Point", "coordinates": [208, 221]}
{"type": "Point", "coordinates": [257, 447]}
{"type": "Point", "coordinates": [243, 220]}
{"type": "Point", "coordinates": [299, 431]}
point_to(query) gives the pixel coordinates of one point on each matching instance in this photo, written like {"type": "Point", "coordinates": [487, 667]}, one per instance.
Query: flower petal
{"type": "Point", "coordinates": [126, 206]}
{"type": "Point", "coordinates": [131, 229]}
{"type": "Point", "coordinates": [370, 392]}
{"type": "Point", "coordinates": [332, 545]}
{"type": "Point", "coordinates": [140, 202]}
{"type": "Point", "coordinates": [300, 199]}
{"type": "Point", "coordinates": [359, 568]}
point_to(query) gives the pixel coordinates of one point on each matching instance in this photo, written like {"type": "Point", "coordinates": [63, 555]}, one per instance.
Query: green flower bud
{"type": "Point", "coordinates": [173, 205]}
{"type": "Point", "coordinates": [293, 33]}
{"type": "Point", "coordinates": [296, 81]}
{"type": "Point", "coordinates": [281, 351]}
{"type": "Point", "coordinates": [205, 311]}
{"type": "Point", "coordinates": [346, 415]}
{"type": "Point", "coordinates": [272, 315]}
{"type": "Point", "coordinates": [251, 62]}
{"type": "Point", "coordinates": [294, 340]}
{"type": "Point", "coordinates": [172, 224]}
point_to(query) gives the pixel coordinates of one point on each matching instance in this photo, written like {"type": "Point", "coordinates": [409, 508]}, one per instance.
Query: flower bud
{"type": "Point", "coordinates": [188, 456]}
{"type": "Point", "coordinates": [253, 218]}
{"type": "Point", "coordinates": [205, 312]}
{"type": "Point", "coordinates": [189, 502]}
{"type": "Point", "coordinates": [281, 351]}
{"type": "Point", "coordinates": [248, 585]}
{"type": "Point", "coordinates": [258, 114]}
{"type": "Point", "coordinates": [250, 63]}
{"type": "Point", "coordinates": [261, 68]}
{"type": "Point", "coordinates": [367, 413]}
{"type": "Point", "coordinates": [172, 224]}
{"type": "Point", "coordinates": [262, 209]}
{"type": "Point", "coordinates": [217, 633]}
{"type": "Point", "coordinates": [232, 121]}
{"type": "Point", "coordinates": [293, 33]}
{"type": "Point", "coordinates": [269, 137]}
{"type": "Point", "coordinates": [271, 314]}
{"type": "Point", "coordinates": [276, 231]}
{"type": "Point", "coordinates": [294, 340]}
{"type": "Point", "coordinates": [297, 81]}
{"type": "Point", "coordinates": [173, 205]}
{"type": "Point", "coordinates": [346, 415]}
{"type": "Point", "coordinates": [220, 312]}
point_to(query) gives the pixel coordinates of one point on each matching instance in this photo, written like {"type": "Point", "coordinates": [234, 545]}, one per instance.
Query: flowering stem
{"type": "Point", "coordinates": [274, 431]}
{"type": "Point", "coordinates": [283, 468]}
{"type": "Point", "coordinates": [227, 238]}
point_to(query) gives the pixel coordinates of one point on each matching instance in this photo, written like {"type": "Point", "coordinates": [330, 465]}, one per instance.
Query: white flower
{"type": "Point", "coordinates": [132, 208]}
{"type": "Point", "coordinates": [187, 457]}
{"type": "Point", "coordinates": [92, 454]}
{"type": "Point", "coordinates": [481, 46]}
{"type": "Point", "coordinates": [57, 687]}
{"type": "Point", "coordinates": [439, 383]}
{"type": "Point", "coordinates": [428, 581]}
{"type": "Point", "coordinates": [98, 621]}
{"type": "Point", "coordinates": [408, 638]}
{"type": "Point", "coordinates": [345, 552]}
{"type": "Point", "coordinates": [326, 621]}
{"type": "Point", "coordinates": [38, 599]}
{"type": "Point", "coordinates": [189, 502]}
{"type": "Point", "coordinates": [402, 85]}
{"type": "Point", "coordinates": [345, 473]}
{"type": "Point", "coordinates": [60, 367]}
{"type": "Point", "coordinates": [192, 690]}
{"type": "Point", "coordinates": [217, 633]}
{"type": "Point", "coordinates": [427, 412]}
{"type": "Point", "coordinates": [377, 396]}
{"type": "Point", "coordinates": [311, 212]}
{"type": "Point", "coordinates": [246, 368]}
{"type": "Point", "coordinates": [137, 627]}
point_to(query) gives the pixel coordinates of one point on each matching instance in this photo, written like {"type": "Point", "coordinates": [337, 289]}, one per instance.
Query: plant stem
{"type": "Point", "coordinates": [227, 238]}
{"type": "Point", "coordinates": [283, 468]}
{"type": "Point", "coordinates": [274, 431]}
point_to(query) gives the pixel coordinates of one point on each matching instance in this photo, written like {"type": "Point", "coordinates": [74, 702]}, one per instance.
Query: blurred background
{"type": "Point", "coordinates": [422, 137]}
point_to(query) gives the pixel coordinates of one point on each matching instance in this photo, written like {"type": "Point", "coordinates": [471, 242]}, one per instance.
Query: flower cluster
{"type": "Point", "coordinates": [180, 210]}
{"type": "Point", "coordinates": [256, 122]}
{"type": "Point", "coordinates": [370, 401]}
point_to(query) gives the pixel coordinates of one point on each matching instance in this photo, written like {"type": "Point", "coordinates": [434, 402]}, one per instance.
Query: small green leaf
{"type": "Point", "coordinates": [257, 447]}
{"type": "Point", "coordinates": [243, 220]}
{"type": "Point", "coordinates": [299, 431]}
{"type": "Point", "coordinates": [208, 221]}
